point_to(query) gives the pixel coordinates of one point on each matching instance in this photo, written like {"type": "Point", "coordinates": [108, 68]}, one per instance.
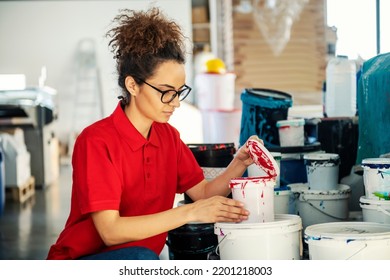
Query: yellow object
{"type": "Point", "coordinates": [215, 65]}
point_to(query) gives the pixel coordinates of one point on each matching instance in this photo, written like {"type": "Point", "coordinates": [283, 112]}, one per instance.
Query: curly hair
{"type": "Point", "coordinates": [141, 41]}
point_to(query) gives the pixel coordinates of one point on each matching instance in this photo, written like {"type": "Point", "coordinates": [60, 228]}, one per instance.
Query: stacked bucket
{"type": "Point", "coordinates": [265, 235]}
{"type": "Point", "coordinates": [376, 202]}
{"type": "Point", "coordinates": [321, 199]}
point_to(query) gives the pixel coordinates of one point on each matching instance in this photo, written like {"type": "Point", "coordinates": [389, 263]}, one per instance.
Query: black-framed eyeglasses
{"type": "Point", "coordinates": [168, 95]}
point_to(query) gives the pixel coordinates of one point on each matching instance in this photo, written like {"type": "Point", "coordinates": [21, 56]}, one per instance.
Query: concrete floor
{"type": "Point", "coordinates": [27, 230]}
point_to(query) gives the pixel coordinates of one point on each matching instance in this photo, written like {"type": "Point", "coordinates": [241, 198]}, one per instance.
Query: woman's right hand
{"type": "Point", "coordinates": [217, 209]}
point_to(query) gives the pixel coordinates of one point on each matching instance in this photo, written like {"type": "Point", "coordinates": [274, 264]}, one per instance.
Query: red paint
{"type": "Point", "coordinates": [261, 158]}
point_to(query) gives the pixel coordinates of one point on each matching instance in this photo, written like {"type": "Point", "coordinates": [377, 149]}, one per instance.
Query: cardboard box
{"type": "Point", "coordinates": [200, 14]}
{"type": "Point", "coordinates": [201, 35]}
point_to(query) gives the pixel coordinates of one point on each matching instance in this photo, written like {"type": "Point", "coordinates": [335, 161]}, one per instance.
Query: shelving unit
{"type": "Point", "coordinates": [212, 26]}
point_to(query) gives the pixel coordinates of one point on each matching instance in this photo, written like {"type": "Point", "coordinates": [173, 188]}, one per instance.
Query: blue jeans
{"type": "Point", "coordinates": [129, 253]}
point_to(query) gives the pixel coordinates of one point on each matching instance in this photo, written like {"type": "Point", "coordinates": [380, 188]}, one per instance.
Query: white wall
{"type": "Point", "coordinates": [46, 33]}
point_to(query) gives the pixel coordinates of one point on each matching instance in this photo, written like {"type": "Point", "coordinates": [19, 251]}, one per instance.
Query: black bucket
{"type": "Point", "coordinates": [212, 158]}
{"type": "Point", "coordinates": [213, 155]}
{"type": "Point", "coordinates": [193, 241]}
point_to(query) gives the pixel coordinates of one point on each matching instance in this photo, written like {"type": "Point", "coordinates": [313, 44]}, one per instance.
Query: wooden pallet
{"type": "Point", "coordinates": [21, 193]}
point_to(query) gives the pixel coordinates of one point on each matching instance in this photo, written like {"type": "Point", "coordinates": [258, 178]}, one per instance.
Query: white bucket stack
{"type": "Point", "coordinates": [376, 202]}
{"type": "Point", "coordinates": [321, 199]}
{"type": "Point", "coordinates": [316, 206]}
{"type": "Point", "coordinates": [265, 235]}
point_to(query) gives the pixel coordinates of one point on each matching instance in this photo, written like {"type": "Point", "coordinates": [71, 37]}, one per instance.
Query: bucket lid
{"type": "Point", "coordinates": [287, 221]}
{"type": "Point", "coordinates": [268, 93]}
{"type": "Point", "coordinates": [321, 156]}
{"type": "Point", "coordinates": [304, 188]}
{"type": "Point", "coordinates": [374, 201]}
{"type": "Point", "coordinates": [290, 122]}
{"type": "Point", "coordinates": [376, 162]}
{"type": "Point", "coordinates": [262, 158]}
{"type": "Point", "coordinates": [351, 230]}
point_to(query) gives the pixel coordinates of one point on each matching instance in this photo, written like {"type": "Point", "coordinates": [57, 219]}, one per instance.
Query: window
{"type": "Point", "coordinates": [356, 23]}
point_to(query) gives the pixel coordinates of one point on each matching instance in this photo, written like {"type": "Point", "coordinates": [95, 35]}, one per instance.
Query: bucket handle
{"type": "Point", "coordinates": [323, 212]}
{"type": "Point", "coordinates": [358, 251]}
{"type": "Point", "coordinates": [219, 244]}
{"type": "Point", "coordinates": [383, 210]}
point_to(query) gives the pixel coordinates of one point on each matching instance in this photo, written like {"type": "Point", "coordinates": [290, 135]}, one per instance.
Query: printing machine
{"type": "Point", "coordinates": [34, 110]}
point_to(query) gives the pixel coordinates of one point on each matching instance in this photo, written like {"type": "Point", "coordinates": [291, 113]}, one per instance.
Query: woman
{"type": "Point", "coordinates": [128, 167]}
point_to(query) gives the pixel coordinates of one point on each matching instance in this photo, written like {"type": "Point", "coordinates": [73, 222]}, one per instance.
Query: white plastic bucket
{"type": "Point", "coordinates": [215, 91]}
{"type": "Point", "coordinates": [376, 177]}
{"type": "Point", "coordinates": [348, 241]}
{"type": "Point", "coordinates": [257, 194]}
{"type": "Point", "coordinates": [291, 132]}
{"type": "Point", "coordinates": [277, 240]}
{"type": "Point", "coordinates": [221, 126]}
{"type": "Point", "coordinates": [316, 207]}
{"type": "Point", "coordinates": [375, 210]}
{"type": "Point", "coordinates": [281, 200]}
{"type": "Point", "coordinates": [322, 170]}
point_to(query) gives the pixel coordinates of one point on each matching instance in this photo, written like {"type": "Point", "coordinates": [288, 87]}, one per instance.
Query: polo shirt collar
{"type": "Point", "coordinates": [127, 130]}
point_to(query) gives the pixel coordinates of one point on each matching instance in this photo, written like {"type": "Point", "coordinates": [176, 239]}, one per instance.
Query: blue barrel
{"type": "Point", "coordinates": [261, 110]}
{"type": "Point", "coordinates": [374, 103]}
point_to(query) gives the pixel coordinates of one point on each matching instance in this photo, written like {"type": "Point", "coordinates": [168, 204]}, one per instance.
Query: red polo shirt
{"type": "Point", "coordinates": [115, 167]}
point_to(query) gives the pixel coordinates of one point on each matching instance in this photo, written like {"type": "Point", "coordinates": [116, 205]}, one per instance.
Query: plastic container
{"type": "Point", "coordinates": [277, 240]}
{"type": "Point", "coordinates": [192, 241]}
{"type": "Point", "coordinates": [257, 194]}
{"type": "Point", "coordinates": [215, 91]}
{"type": "Point", "coordinates": [348, 241]}
{"type": "Point", "coordinates": [212, 158]}
{"type": "Point", "coordinates": [376, 177]}
{"type": "Point", "coordinates": [282, 200]}
{"type": "Point", "coordinates": [322, 170]}
{"type": "Point", "coordinates": [256, 171]}
{"type": "Point", "coordinates": [261, 109]}
{"type": "Point", "coordinates": [340, 96]}
{"type": "Point", "coordinates": [291, 132]}
{"type": "Point", "coordinates": [221, 126]}
{"type": "Point", "coordinates": [375, 210]}
{"type": "Point", "coordinates": [315, 206]}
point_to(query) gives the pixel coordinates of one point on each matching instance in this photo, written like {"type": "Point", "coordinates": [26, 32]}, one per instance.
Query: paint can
{"type": "Point", "coordinates": [257, 194]}
{"type": "Point", "coordinates": [292, 167]}
{"type": "Point", "coordinates": [215, 91]}
{"type": "Point", "coordinates": [192, 241]}
{"type": "Point", "coordinates": [291, 132]}
{"type": "Point", "coordinates": [376, 177]}
{"type": "Point", "coordinates": [322, 170]}
{"type": "Point", "coordinates": [348, 241]}
{"type": "Point", "coordinates": [277, 240]}
{"type": "Point", "coordinates": [375, 210]}
{"type": "Point", "coordinates": [261, 109]}
{"type": "Point", "coordinates": [282, 200]}
{"type": "Point", "coordinates": [316, 206]}
{"type": "Point", "coordinates": [212, 158]}
{"type": "Point", "coordinates": [221, 126]}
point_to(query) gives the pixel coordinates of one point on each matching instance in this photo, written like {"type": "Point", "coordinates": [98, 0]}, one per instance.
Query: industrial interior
{"type": "Point", "coordinates": [281, 70]}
